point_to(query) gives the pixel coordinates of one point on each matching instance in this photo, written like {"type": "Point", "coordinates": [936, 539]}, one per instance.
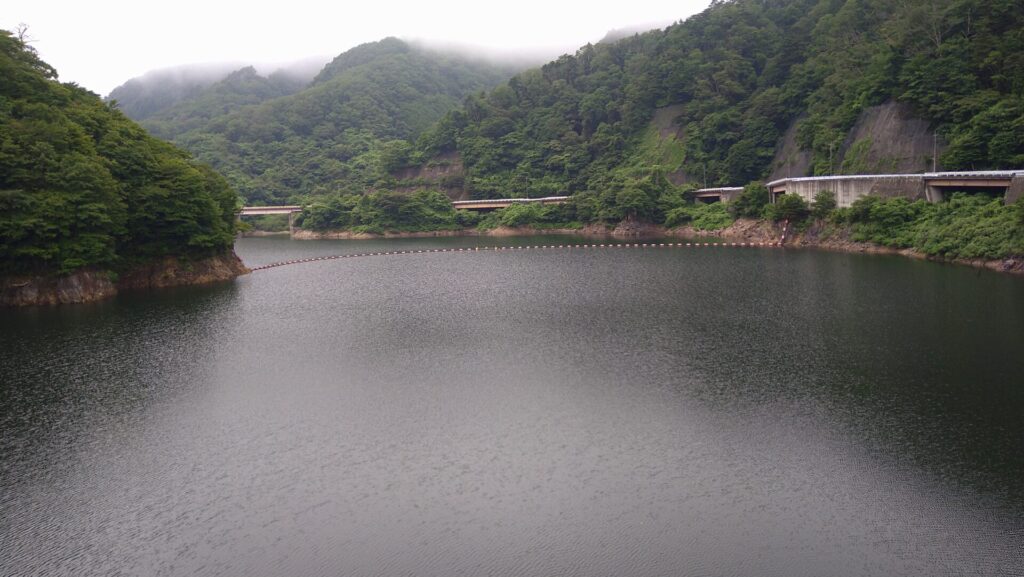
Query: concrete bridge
{"type": "Point", "coordinates": [931, 186]}
{"type": "Point", "coordinates": [496, 203]}
{"type": "Point", "coordinates": [488, 204]}
{"type": "Point", "coordinates": [261, 210]}
{"type": "Point", "coordinates": [290, 210]}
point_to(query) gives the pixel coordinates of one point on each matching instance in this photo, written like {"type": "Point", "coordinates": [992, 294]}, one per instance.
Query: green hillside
{"type": "Point", "coordinates": [345, 132]}
{"type": "Point", "coordinates": [156, 91]}
{"type": "Point", "coordinates": [239, 89]}
{"type": "Point", "coordinates": [629, 127]}
{"type": "Point", "coordinates": [736, 77]}
{"type": "Point", "coordinates": [82, 186]}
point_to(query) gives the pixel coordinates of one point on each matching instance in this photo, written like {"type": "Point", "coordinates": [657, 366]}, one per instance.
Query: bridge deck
{"type": "Point", "coordinates": [495, 203]}
{"type": "Point", "coordinates": [260, 210]}
{"type": "Point", "coordinates": [485, 204]}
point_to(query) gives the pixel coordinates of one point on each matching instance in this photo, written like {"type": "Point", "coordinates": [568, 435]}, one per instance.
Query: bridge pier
{"type": "Point", "coordinates": [1015, 191]}
{"type": "Point", "coordinates": [933, 193]}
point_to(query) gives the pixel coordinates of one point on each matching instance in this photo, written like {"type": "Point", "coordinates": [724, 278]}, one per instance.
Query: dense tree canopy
{"type": "Point", "coordinates": [734, 77]}
{"type": "Point", "coordinates": [628, 126]}
{"type": "Point", "coordinates": [241, 88]}
{"type": "Point", "coordinates": [738, 75]}
{"type": "Point", "coordinates": [83, 186]}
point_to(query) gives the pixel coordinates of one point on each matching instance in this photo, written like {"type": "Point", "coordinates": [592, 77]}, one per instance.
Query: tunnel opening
{"type": "Point", "coordinates": [992, 192]}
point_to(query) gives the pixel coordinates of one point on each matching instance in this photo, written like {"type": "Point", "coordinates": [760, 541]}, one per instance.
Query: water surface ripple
{"type": "Point", "coordinates": [743, 412]}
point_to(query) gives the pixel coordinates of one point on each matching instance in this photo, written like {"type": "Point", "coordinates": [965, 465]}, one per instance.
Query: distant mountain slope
{"type": "Point", "coordinates": [740, 76]}
{"type": "Point", "coordinates": [158, 91]}
{"type": "Point", "coordinates": [239, 89]}
{"type": "Point", "coordinates": [343, 132]}
{"type": "Point", "coordinates": [141, 97]}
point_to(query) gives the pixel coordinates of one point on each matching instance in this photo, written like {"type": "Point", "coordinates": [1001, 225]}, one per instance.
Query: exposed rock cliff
{"type": "Point", "coordinates": [790, 161]}
{"type": "Point", "coordinates": [445, 172]}
{"type": "Point", "coordinates": [79, 287]}
{"type": "Point", "coordinates": [177, 272]}
{"type": "Point", "coordinates": [91, 285]}
{"type": "Point", "coordinates": [886, 139]}
{"type": "Point", "coordinates": [889, 138]}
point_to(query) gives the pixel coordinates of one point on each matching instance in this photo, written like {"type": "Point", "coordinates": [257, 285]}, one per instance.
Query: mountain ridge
{"type": "Point", "coordinates": [344, 130]}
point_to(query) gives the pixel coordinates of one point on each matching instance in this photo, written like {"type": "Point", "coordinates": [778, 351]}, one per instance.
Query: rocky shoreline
{"type": "Point", "coordinates": [742, 230]}
{"type": "Point", "coordinates": [746, 230]}
{"type": "Point", "coordinates": [841, 242]}
{"type": "Point", "coordinates": [93, 285]}
{"type": "Point", "coordinates": [623, 230]}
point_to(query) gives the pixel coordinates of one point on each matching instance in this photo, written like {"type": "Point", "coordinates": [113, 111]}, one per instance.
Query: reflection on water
{"type": "Point", "coordinates": [633, 412]}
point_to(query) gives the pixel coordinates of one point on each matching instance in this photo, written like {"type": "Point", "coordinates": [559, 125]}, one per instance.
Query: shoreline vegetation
{"type": "Point", "coordinates": [973, 229]}
{"type": "Point", "coordinates": [90, 203]}
{"type": "Point", "coordinates": [386, 135]}
{"type": "Point", "coordinates": [743, 230]}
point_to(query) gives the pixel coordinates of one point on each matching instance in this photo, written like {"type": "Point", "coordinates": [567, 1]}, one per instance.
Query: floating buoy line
{"type": "Point", "coordinates": [525, 247]}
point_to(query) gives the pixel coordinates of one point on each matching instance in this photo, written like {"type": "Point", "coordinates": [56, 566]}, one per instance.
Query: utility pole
{"type": "Point", "coordinates": [935, 137]}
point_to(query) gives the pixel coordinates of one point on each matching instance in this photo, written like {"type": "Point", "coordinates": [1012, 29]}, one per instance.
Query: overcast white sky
{"type": "Point", "coordinates": [100, 44]}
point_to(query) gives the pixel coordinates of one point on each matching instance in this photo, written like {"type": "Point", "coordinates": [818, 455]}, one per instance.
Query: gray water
{"type": "Point", "coordinates": [748, 412]}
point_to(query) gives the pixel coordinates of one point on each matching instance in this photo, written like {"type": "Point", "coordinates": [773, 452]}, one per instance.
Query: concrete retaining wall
{"type": "Point", "coordinates": [931, 187]}
{"type": "Point", "coordinates": [847, 190]}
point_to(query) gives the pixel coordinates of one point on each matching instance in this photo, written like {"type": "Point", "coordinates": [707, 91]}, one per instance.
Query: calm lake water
{"type": "Point", "coordinates": [746, 412]}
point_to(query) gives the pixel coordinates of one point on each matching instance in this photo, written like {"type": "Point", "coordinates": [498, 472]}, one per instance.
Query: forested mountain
{"type": "Point", "coordinates": [241, 88]}
{"type": "Point", "coordinates": [157, 91]}
{"type": "Point", "coordinates": [709, 100]}
{"type": "Point", "coordinates": [142, 97]}
{"type": "Point", "coordinates": [341, 133]}
{"type": "Point", "coordinates": [82, 186]}
{"type": "Point", "coordinates": [745, 90]}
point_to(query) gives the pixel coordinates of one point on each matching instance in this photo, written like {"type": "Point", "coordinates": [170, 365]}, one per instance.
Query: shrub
{"type": "Point", "coordinates": [751, 201]}
{"type": "Point", "coordinates": [535, 215]}
{"type": "Point", "coordinates": [713, 216]}
{"type": "Point", "coordinates": [269, 222]}
{"type": "Point", "coordinates": [823, 205]}
{"type": "Point", "coordinates": [382, 211]}
{"type": "Point", "coordinates": [789, 207]}
{"type": "Point", "coordinates": [967, 226]}
{"type": "Point", "coordinates": [678, 216]}
{"type": "Point", "coordinates": [467, 218]}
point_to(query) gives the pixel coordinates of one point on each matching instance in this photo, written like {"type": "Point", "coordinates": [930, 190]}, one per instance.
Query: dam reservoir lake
{"type": "Point", "coordinates": [643, 412]}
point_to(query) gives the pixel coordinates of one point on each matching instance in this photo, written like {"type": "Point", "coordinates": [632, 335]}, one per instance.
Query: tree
{"type": "Point", "coordinates": [82, 186]}
{"type": "Point", "coordinates": [823, 205]}
{"type": "Point", "coordinates": [791, 207]}
{"type": "Point", "coordinates": [751, 201]}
